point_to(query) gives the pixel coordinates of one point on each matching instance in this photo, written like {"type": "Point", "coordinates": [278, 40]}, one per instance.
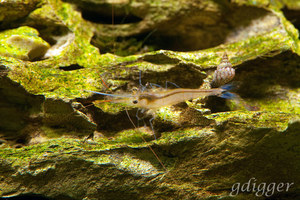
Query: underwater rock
{"type": "Point", "coordinates": [61, 44]}
{"type": "Point", "coordinates": [239, 147]}
{"type": "Point", "coordinates": [145, 26]}
{"type": "Point", "coordinates": [23, 43]}
{"type": "Point", "coordinates": [12, 11]}
{"type": "Point", "coordinates": [48, 118]}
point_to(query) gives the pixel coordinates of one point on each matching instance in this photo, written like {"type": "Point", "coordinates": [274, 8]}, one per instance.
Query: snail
{"type": "Point", "coordinates": [224, 73]}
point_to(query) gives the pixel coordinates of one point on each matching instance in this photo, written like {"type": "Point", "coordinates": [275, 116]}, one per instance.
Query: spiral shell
{"type": "Point", "coordinates": [223, 74]}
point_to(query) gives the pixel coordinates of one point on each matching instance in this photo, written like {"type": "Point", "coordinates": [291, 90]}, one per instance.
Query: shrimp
{"type": "Point", "coordinates": [154, 100]}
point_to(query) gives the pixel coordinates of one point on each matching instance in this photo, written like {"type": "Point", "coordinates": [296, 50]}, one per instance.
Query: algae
{"type": "Point", "coordinates": [49, 117]}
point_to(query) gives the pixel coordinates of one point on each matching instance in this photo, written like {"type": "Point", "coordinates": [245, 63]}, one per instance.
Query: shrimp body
{"type": "Point", "coordinates": [153, 101]}
{"type": "Point", "coordinates": [161, 98]}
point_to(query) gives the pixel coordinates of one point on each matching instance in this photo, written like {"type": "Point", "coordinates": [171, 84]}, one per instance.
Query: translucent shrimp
{"type": "Point", "coordinates": [153, 99]}
{"type": "Point", "coordinates": [156, 99]}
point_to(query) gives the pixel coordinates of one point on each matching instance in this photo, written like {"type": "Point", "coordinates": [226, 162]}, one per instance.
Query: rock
{"type": "Point", "coordinates": [23, 43]}
{"type": "Point", "coordinates": [239, 146]}
{"type": "Point", "coordinates": [205, 147]}
{"type": "Point", "coordinates": [12, 11]}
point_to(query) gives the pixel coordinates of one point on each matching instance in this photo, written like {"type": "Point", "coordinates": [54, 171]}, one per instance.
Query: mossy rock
{"type": "Point", "coordinates": [23, 43]}
{"type": "Point", "coordinates": [204, 146]}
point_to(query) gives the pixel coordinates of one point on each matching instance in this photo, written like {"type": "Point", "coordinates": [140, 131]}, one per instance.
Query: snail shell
{"type": "Point", "coordinates": [223, 74]}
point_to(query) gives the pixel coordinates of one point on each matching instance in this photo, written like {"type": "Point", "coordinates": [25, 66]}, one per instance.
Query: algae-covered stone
{"type": "Point", "coordinates": [210, 160]}
{"type": "Point", "coordinates": [174, 25]}
{"type": "Point", "coordinates": [23, 43]}
{"type": "Point", "coordinates": [203, 147]}
{"type": "Point", "coordinates": [17, 9]}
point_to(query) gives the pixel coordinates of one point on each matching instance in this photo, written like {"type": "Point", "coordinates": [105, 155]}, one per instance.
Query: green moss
{"type": "Point", "coordinates": [239, 52]}
{"type": "Point", "coordinates": [272, 4]}
{"type": "Point", "coordinates": [22, 43]}
{"type": "Point", "coordinates": [276, 105]}
{"type": "Point", "coordinates": [134, 137]}
{"type": "Point", "coordinates": [184, 135]}
{"type": "Point", "coordinates": [66, 146]}
{"type": "Point", "coordinates": [264, 119]}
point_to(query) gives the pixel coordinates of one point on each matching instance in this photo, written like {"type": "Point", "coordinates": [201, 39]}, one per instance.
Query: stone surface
{"type": "Point", "coordinates": [23, 43]}
{"type": "Point", "coordinates": [206, 145]}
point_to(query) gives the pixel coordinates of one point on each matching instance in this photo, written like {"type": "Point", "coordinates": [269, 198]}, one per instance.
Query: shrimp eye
{"type": "Point", "coordinates": [135, 101]}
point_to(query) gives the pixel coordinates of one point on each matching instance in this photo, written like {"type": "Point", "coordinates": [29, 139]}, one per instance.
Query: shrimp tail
{"type": "Point", "coordinates": [226, 94]}
{"type": "Point", "coordinates": [235, 97]}
{"type": "Point", "coordinates": [229, 87]}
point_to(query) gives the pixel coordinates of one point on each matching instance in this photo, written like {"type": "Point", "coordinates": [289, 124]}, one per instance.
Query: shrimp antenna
{"type": "Point", "coordinates": [106, 94]}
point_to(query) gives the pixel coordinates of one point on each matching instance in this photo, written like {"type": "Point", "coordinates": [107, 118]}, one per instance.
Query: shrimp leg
{"type": "Point", "coordinates": [174, 84]}
{"type": "Point", "coordinates": [151, 125]}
